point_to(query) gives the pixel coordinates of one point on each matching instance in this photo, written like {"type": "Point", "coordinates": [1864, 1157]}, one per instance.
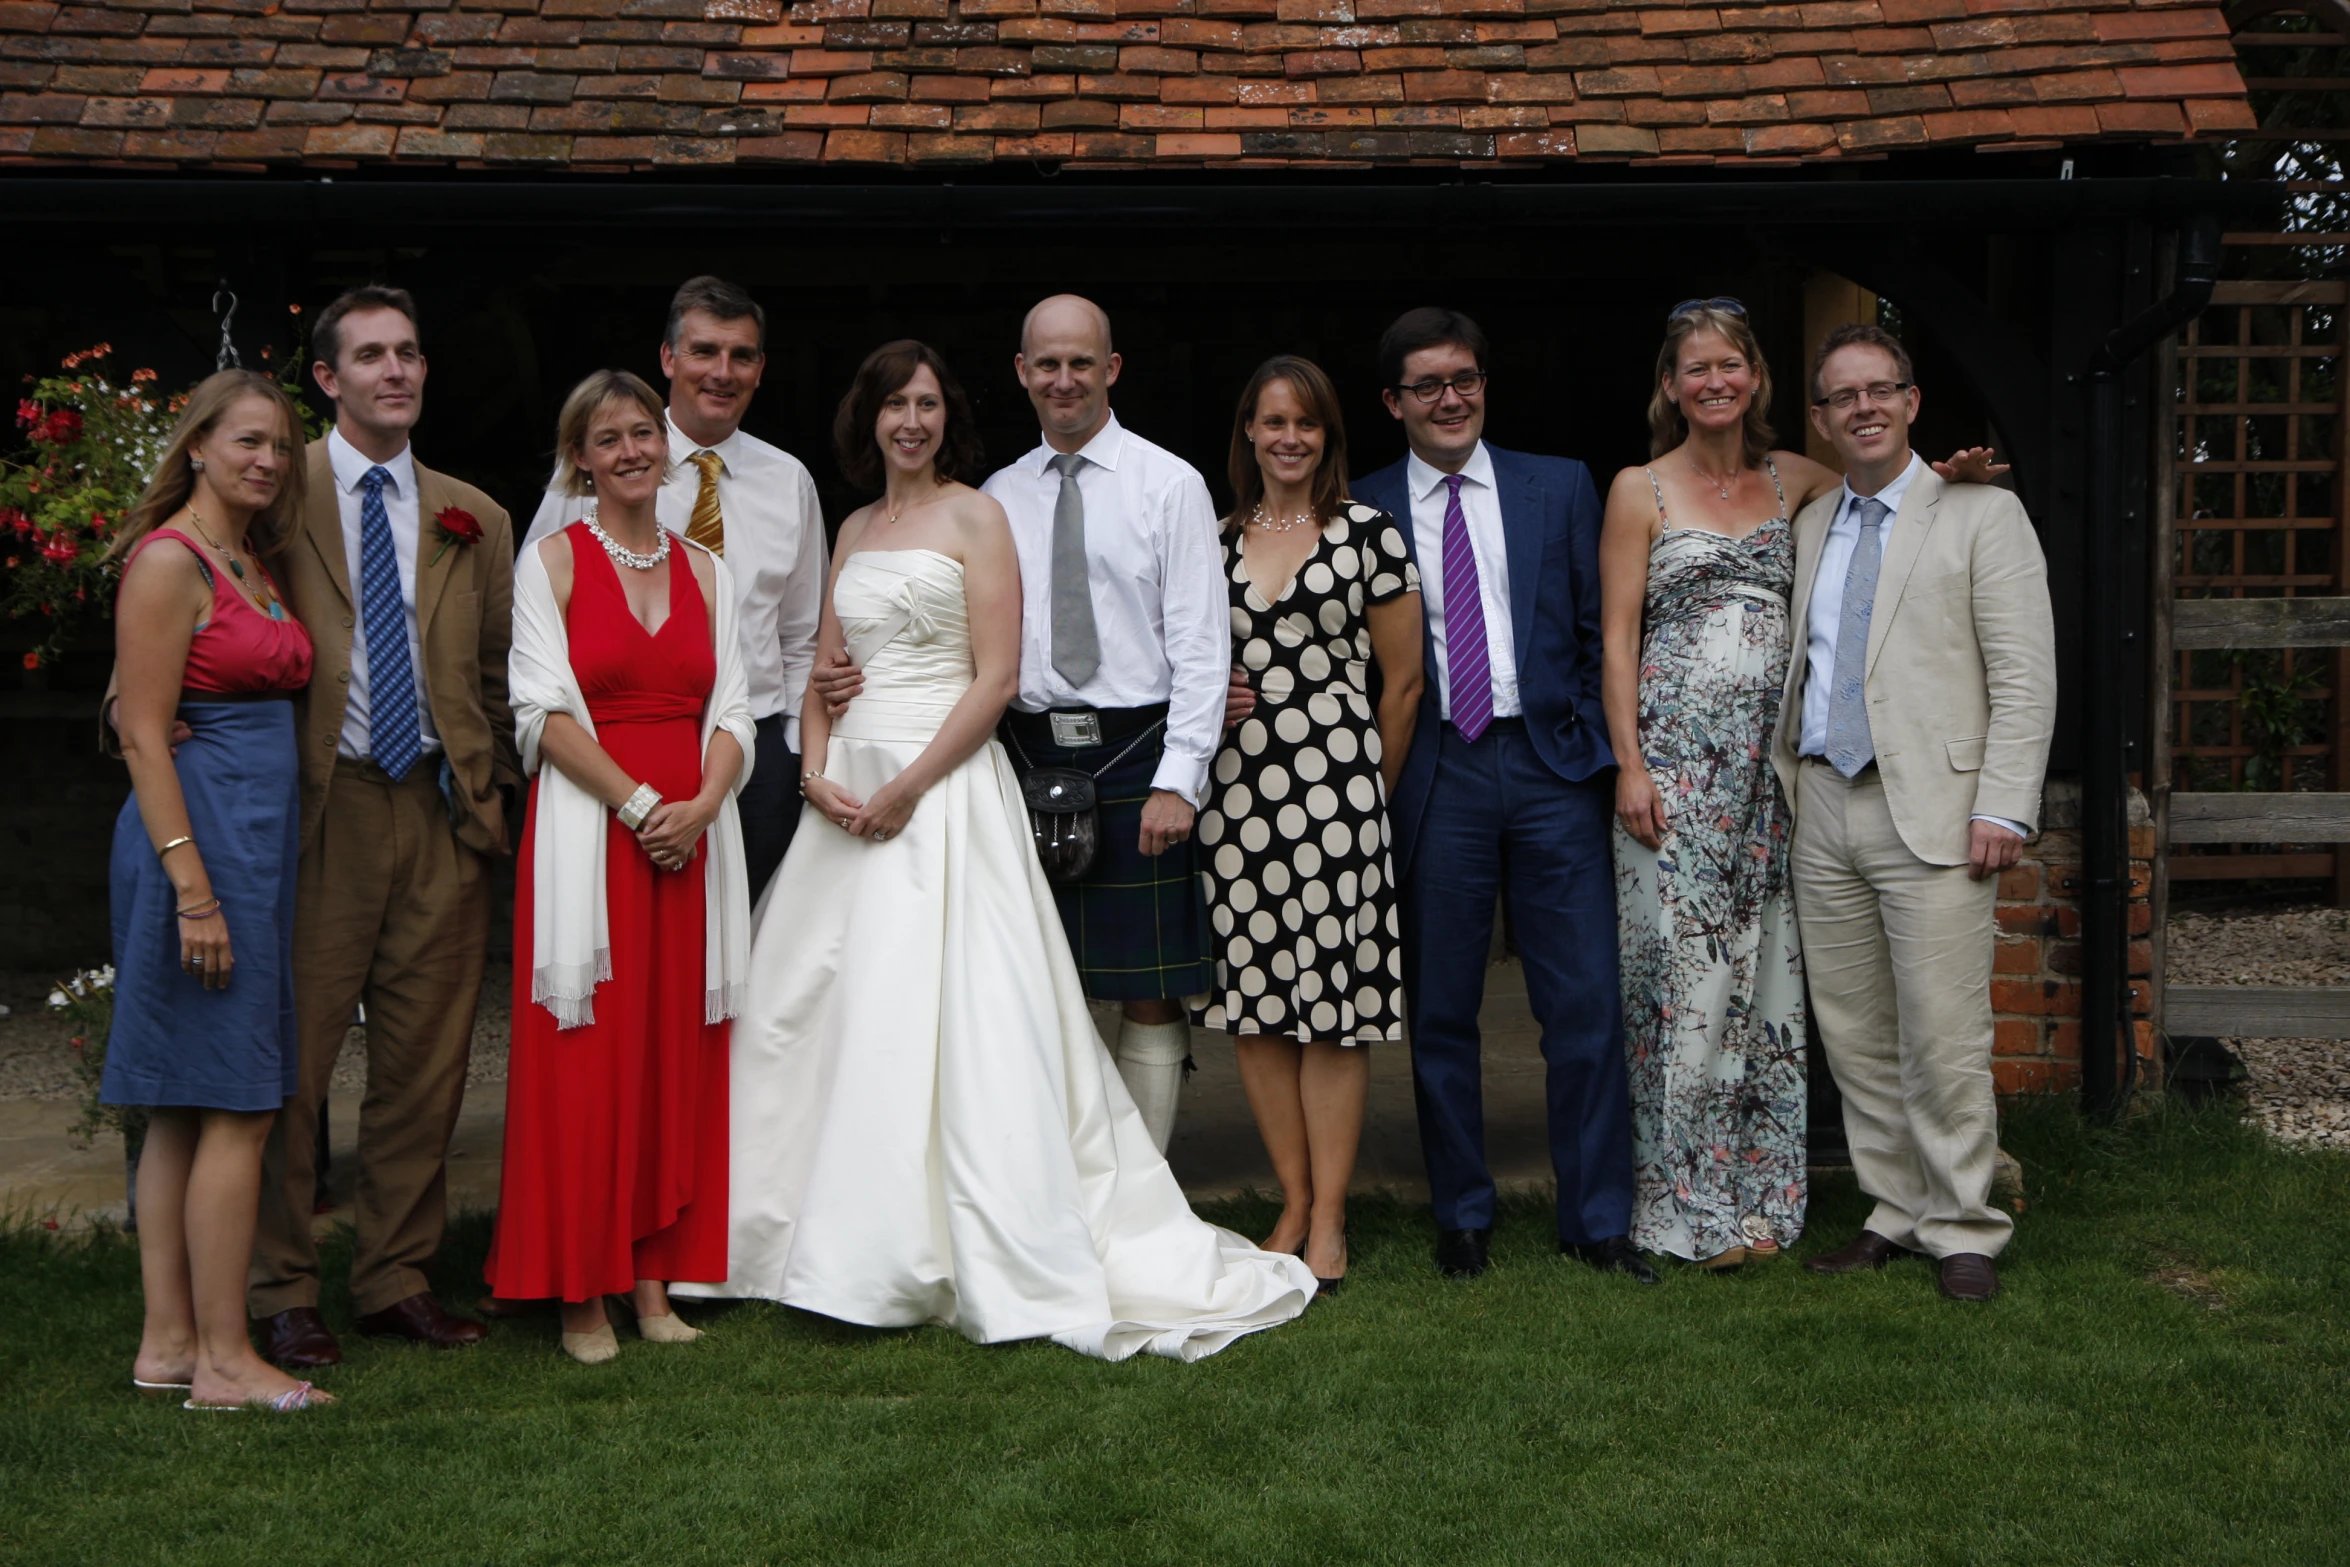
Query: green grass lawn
{"type": "Point", "coordinates": [2164, 1380]}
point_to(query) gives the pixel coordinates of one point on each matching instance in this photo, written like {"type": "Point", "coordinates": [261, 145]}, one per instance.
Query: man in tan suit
{"type": "Point", "coordinates": [404, 578]}
{"type": "Point", "coordinates": [1920, 700]}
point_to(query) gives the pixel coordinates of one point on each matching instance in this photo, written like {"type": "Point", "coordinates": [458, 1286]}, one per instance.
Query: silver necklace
{"type": "Point", "coordinates": [910, 505]}
{"type": "Point", "coordinates": [1716, 483]}
{"type": "Point", "coordinates": [621, 553]}
{"type": "Point", "coordinates": [1270, 523]}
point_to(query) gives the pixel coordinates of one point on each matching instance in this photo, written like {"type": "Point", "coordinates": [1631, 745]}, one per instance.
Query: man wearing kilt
{"type": "Point", "coordinates": [1125, 652]}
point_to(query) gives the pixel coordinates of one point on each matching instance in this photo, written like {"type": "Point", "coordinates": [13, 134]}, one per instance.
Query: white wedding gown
{"type": "Point", "coordinates": [926, 1126]}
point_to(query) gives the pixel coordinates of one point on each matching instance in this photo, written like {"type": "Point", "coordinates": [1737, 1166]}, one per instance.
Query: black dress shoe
{"type": "Point", "coordinates": [1461, 1254]}
{"type": "Point", "coordinates": [1865, 1251]}
{"type": "Point", "coordinates": [1615, 1255]}
{"type": "Point", "coordinates": [298, 1340]}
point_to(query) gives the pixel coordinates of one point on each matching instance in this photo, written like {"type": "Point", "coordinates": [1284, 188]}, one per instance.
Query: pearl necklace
{"type": "Point", "coordinates": [623, 555]}
{"type": "Point", "coordinates": [1270, 523]}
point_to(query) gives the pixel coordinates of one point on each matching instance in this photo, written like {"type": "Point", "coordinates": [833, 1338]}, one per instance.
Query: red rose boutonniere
{"type": "Point", "coordinates": [458, 526]}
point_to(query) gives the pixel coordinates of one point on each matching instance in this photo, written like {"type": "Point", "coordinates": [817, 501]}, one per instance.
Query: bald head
{"type": "Point", "coordinates": [1068, 366]}
{"type": "Point", "coordinates": [1067, 316]}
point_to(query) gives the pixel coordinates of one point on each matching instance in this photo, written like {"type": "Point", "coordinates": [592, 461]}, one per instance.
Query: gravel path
{"type": "Point", "coordinates": [2300, 1088]}
{"type": "Point", "coordinates": [36, 1051]}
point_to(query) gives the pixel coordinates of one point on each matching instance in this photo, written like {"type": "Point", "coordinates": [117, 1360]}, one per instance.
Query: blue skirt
{"type": "Point", "coordinates": [174, 1042]}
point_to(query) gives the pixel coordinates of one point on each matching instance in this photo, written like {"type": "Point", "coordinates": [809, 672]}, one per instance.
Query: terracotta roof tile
{"type": "Point", "coordinates": [643, 84]}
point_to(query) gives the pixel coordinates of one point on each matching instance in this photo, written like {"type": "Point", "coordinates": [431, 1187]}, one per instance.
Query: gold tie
{"type": "Point", "coordinates": [707, 527]}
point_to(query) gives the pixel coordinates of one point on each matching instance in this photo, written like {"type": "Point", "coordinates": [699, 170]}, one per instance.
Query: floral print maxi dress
{"type": "Point", "coordinates": [1712, 973]}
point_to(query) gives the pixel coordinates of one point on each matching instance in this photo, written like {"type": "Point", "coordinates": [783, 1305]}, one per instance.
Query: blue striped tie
{"type": "Point", "coordinates": [1849, 747]}
{"type": "Point", "coordinates": [394, 737]}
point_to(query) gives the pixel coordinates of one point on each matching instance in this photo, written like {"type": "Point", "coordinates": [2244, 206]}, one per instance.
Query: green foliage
{"type": "Point", "coordinates": [88, 999]}
{"type": "Point", "coordinates": [2280, 712]}
{"type": "Point", "coordinates": [2166, 1379]}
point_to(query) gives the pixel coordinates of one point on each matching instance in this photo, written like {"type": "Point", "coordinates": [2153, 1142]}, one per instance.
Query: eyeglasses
{"type": "Point", "coordinates": [1468, 383]}
{"type": "Point", "coordinates": [1876, 392]}
{"type": "Point", "coordinates": [1724, 303]}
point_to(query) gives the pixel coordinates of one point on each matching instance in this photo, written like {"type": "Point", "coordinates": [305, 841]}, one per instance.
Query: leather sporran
{"type": "Point", "coordinates": [1065, 817]}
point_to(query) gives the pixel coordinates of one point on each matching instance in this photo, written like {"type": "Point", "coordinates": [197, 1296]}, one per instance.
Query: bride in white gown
{"type": "Point", "coordinates": [926, 1127]}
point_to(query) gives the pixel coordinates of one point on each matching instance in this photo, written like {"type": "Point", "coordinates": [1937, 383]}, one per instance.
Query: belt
{"type": "Point", "coordinates": [1117, 722]}
{"type": "Point", "coordinates": [354, 767]}
{"type": "Point", "coordinates": [1513, 724]}
{"type": "Point", "coordinates": [1867, 767]}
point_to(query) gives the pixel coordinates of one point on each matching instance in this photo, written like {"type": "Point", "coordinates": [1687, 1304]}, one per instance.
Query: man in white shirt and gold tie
{"type": "Point", "coordinates": [1912, 742]}
{"type": "Point", "coordinates": [1125, 653]}
{"type": "Point", "coordinates": [756, 505]}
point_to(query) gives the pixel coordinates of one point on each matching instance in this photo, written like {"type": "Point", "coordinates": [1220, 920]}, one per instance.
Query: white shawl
{"type": "Point", "coordinates": [571, 944]}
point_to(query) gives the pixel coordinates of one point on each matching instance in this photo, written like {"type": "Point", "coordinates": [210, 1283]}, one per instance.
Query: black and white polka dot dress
{"type": "Point", "coordinates": [1295, 839]}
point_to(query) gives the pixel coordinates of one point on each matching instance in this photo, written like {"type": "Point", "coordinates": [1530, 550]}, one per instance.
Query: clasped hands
{"type": "Point", "coordinates": [1167, 817]}
{"type": "Point", "coordinates": [673, 828]}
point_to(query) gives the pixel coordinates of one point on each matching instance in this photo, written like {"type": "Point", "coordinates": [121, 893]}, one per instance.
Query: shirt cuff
{"type": "Point", "coordinates": [791, 732]}
{"type": "Point", "coordinates": [1179, 775]}
{"type": "Point", "coordinates": [2018, 828]}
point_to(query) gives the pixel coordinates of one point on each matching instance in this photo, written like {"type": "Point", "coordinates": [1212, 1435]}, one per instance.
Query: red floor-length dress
{"type": "Point", "coordinates": [616, 1150]}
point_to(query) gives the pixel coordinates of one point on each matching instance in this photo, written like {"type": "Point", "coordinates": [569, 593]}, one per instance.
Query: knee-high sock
{"type": "Point", "coordinates": [1150, 1059]}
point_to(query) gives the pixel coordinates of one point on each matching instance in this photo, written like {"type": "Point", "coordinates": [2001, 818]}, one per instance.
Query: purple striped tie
{"type": "Point", "coordinates": [1467, 662]}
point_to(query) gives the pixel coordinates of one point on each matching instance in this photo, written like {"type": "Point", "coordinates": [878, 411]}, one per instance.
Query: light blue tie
{"type": "Point", "coordinates": [394, 737]}
{"type": "Point", "coordinates": [1849, 746]}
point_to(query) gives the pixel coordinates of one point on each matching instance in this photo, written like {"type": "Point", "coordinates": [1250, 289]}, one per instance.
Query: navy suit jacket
{"type": "Point", "coordinates": [1550, 518]}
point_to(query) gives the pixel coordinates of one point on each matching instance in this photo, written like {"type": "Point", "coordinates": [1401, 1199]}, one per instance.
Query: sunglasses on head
{"type": "Point", "coordinates": [1725, 304]}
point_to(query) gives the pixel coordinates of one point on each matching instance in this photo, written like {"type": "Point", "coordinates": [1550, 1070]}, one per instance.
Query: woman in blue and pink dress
{"type": "Point", "coordinates": [203, 876]}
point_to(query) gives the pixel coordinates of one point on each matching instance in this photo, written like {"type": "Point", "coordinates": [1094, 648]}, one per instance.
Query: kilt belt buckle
{"type": "Point", "coordinates": [1076, 731]}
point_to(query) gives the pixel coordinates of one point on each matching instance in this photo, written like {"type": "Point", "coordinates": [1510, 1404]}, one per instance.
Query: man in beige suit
{"type": "Point", "coordinates": [404, 578]}
{"type": "Point", "coordinates": [1911, 743]}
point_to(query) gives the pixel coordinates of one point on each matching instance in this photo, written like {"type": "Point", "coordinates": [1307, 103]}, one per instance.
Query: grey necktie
{"type": "Point", "coordinates": [1849, 746]}
{"type": "Point", "coordinates": [1077, 647]}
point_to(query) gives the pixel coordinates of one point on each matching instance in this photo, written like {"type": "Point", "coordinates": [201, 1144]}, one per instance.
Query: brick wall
{"type": "Point", "coordinates": [2036, 970]}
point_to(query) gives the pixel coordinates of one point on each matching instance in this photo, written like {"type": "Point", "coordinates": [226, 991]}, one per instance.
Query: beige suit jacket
{"type": "Point", "coordinates": [464, 623]}
{"type": "Point", "coordinates": [1961, 673]}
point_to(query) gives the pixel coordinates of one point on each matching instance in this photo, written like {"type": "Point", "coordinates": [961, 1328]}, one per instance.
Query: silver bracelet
{"type": "Point", "coordinates": [640, 805]}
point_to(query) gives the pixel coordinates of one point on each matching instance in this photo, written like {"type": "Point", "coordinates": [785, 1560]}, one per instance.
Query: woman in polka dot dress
{"type": "Point", "coordinates": [1300, 890]}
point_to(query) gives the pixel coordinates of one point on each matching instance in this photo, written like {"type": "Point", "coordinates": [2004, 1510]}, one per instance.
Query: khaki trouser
{"type": "Point", "coordinates": [392, 911]}
{"type": "Point", "coordinates": [1899, 956]}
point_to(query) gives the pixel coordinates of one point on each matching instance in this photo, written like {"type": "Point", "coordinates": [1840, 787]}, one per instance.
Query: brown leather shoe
{"type": "Point", "coordinates": [423, 1320]}
{"type": "Point", "coordinates": [1870, 1250]}
{"type": "Point", "coordinates": [1969, 1275]}
{"type": "Point", "coordinates": [298, 1340]}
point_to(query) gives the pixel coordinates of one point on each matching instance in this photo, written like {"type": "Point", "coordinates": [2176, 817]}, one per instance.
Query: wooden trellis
{"type": "Point", "coordinates": [2258, 513]}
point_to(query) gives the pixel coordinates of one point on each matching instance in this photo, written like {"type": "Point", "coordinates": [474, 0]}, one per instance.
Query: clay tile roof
{"type": "Point", "coordinates": [611, 85]}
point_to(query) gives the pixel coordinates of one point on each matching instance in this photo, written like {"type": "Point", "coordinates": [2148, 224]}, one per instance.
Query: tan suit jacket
{"type": "Point", "coordinates": [1961, 673]}
{"type": "Point", "coordinates": [464, 623]}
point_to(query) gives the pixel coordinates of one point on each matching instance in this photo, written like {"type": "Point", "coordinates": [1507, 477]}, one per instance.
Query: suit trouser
{"type": "Point", "coordinates": [1899, 956]}
{"type": "Point", "coordinates": [769, 805]}
{"type": "Point", "coordinates": [390, 910]}
{"type": "Point", "coordinates": [1499, 820]}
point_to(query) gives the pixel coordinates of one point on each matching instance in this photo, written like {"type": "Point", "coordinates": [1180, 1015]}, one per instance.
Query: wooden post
{"type": "Point", "coordinates": [1829, 302]}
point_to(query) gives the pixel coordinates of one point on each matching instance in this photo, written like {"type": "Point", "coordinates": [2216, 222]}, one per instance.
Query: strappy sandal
{"type": "Point", "coordinates": [298, 1397]}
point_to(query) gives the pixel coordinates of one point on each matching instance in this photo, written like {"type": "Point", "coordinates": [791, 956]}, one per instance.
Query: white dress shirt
{"type": "Point", "coordinates": [403, 513]}
{"type": "Point", "coordinates": [775, 551]}
{"type": "Point", "coordinates": [1481, 510]}
{"type": "Point", "coordinates": [1159, 599]}
{"type": "Point", "coordinates": [1824, 617]}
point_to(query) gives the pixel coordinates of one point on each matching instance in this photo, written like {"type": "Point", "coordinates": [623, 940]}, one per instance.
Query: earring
{"type": "Point", "coordinates": [195, 465]}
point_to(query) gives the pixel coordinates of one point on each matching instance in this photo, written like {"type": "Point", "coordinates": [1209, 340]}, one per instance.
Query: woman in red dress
{"type": "Point", "coordinates": [630, 894]}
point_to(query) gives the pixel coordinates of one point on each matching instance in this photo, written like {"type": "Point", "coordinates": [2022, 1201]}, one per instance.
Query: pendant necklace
{"type": "Point", "coordinates": [1716, 483]}
{"type": "Point", "coordinates": [891, 520]}
{"type": "Point", "coordinates": [622, 554]}
{"type": "Point", "coordinates": [266, 604]}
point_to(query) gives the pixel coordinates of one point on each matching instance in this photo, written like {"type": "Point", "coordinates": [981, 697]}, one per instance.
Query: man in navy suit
{"type": "Point", "coordinates": [1508, 789]}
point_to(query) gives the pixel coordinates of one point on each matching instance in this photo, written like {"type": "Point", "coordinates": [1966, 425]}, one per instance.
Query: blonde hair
{"type": "Point", "coordinates": [588, 399]}
{"type": "Point", "coordinates": [1667, 427]}
{"type": "Point", "coordinates": [175, 479]}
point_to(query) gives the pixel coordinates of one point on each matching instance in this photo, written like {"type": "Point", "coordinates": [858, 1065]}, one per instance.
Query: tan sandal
{"type": "Point", "coordinates": [668, 1328]}
{"type": "Point", "coordinates": [592, 1348]}
{"type": "Point", "coordinates": [1724, 1261]}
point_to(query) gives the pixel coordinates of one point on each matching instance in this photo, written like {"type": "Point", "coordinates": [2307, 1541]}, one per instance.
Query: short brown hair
{"type": "Point", "coordinates": [1668, 426]}
{"type": "Point", "coordinates": [174, 480]}
{"type": "Point", "coordinates": [1311, 386]}
{"type": "Point", "coordinates": [588, 399]}
{"type": "Point", "coordinates": [713, 296]}
{"type": "Point", "coordinates": [886, 370]}
{"type": "Point", "coordinates": [1860, 334]}
{"type": "Point", "coordinates": [326, 336]}
{"type": "Point", "coordinates": [1430, 326]}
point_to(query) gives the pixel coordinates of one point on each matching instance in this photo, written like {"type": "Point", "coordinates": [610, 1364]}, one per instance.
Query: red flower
{"type": "Point", "coordinates": [60, 550]}
{"type": "Point", "coordinates": [32, 661]}
{"type": "Point", "coordinates": [28, 414]}
{"type": "Point", "coordinates": [63, 426]}
{"type": "Point", "coordinates": [458, 526]}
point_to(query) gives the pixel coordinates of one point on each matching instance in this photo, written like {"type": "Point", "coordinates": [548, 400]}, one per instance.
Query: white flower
{"type": "Point", "coordinates": [58, 998]}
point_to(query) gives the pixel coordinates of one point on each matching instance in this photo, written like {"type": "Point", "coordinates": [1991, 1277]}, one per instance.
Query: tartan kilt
{"type": "Point", "coordinates": [1138, 927]}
